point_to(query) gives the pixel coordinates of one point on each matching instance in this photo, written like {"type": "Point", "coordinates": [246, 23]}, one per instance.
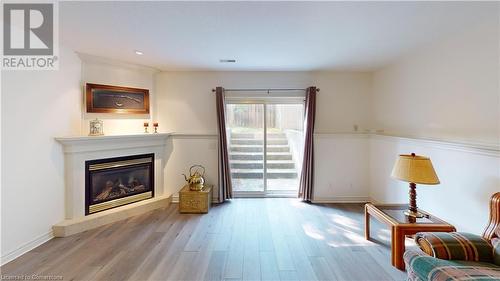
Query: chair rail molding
{"type": "Point", "coordinates": [193, 135]}
{"type": "Point", "coordinates": [486, 149]}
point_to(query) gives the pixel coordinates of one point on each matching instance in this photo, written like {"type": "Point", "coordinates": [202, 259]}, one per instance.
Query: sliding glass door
{"type": "Point", "coordinates": [265, 146]}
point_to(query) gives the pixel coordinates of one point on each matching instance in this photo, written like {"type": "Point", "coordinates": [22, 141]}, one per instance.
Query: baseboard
{"type": "Point", "coordinates": [338, 199]}
{"type": "Point", "coordinates": [175, 198]}
{"type": "Point", "coordinates": [12, 255]}
{"type": "Point", "coordinates": [342, 199]}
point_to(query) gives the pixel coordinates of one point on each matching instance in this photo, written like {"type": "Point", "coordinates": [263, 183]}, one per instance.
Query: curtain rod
{"type": "Point", "coordinates": [265, 90]}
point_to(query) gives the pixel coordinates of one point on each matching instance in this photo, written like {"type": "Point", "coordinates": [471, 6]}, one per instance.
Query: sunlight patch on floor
{"type": "Point", "coordinates": [297, 203]}
{"type": "Point", "coordinates": [344, 221]}
{"type": "Point", "coordinates": [313, 232]}
{"type": "Point", "coordinates": [358, 239]}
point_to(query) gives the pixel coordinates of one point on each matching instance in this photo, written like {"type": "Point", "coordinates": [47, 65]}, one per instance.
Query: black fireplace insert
{"type": "Point", "coordinates": [114, 182]}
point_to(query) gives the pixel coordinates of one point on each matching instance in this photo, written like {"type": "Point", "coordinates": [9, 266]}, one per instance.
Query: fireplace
{"type": "Point", "coordinates": [114, 182]}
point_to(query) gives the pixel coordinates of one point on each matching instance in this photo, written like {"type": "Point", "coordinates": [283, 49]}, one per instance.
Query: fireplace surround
{"type": "Point", "coordinates": [118, 181]}
{"type": "Point", "coordinates": [80, 149]}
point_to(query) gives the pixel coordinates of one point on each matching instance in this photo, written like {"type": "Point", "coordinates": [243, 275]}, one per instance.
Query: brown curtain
{"type": "Point", "coordinates": [307, 174]}
{"type": "Point", "coordinates": [225, 188]}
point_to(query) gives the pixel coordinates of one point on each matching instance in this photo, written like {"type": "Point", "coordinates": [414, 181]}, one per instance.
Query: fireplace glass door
{"type": "Point", "coordinates": [118, 181]}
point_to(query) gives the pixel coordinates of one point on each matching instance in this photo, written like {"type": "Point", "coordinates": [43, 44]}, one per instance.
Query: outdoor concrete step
{"type": "Point", "coordinates": [247, 142]}
{"type": "Point", "coordinates": [277, 141]}
{"type": "Point", "coordinates": [259, 141]}
{"type": "Point", "coordinates": [260, 156]}
{"type": "Point", "coordinates": [259, 173]}
{"type": "Point", "coordinates": [276, 164]}
{"type": "Point", "coordinates": [257, 136]}
{"type": "Point", "coordinates": [259, 148]}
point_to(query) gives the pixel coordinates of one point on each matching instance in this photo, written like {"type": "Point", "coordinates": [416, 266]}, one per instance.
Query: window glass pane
{"type": "Point", "coordinates": [245, 126]}
{"type": "Point", "coordinates": [285, 144]}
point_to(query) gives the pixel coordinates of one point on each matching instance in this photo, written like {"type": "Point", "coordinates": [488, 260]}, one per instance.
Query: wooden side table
{"type": "Point", "coordinates": [402, 225]}
{"type": "Point", "coordinates": [195, 202]}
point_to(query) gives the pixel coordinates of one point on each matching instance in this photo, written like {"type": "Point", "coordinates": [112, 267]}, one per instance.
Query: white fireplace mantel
{"type": "Point", "coordinates": [76, 144]}
{"type": "Point", "coordinates": [79, 149]}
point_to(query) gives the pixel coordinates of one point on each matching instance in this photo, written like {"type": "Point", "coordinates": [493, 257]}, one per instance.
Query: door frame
{"type": "Point", "coordinates": [264, 101]}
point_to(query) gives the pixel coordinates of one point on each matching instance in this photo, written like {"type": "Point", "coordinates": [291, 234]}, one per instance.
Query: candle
{"type": "Point", "coordinates": [146, 124]}
{"type": "Point", "coordinates": [155, 124]}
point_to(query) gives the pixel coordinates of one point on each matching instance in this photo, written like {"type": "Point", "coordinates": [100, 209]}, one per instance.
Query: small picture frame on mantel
{"type": "Point", "coordinates": [116, 99]}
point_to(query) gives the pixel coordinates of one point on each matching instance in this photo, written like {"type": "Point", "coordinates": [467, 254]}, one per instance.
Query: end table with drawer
{"type": "Point", "coordinates": [401, 226]}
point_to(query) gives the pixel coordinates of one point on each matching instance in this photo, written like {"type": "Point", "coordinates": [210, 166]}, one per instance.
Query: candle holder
{"type": "Point", "coordinates": [155, 125]}
{"type": "Point", "coordinates": [146, 125]}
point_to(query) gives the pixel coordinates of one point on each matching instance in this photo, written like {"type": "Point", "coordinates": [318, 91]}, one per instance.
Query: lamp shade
{"type": "Point", "coordinates": [414, 168]}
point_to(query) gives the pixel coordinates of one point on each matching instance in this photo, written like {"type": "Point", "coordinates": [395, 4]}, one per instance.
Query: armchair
{"type": "Point", "coordinates": [458, 255]}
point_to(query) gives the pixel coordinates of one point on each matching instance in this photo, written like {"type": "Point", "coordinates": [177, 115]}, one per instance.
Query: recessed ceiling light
{"type": "Point", "coordinates": [137, 52]}
{"type": "Point", "coordinates": [227, 61]}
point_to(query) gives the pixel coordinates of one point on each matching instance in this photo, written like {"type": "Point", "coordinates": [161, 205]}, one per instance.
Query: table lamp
{"type": "Point", "coordinates": [414, 169]}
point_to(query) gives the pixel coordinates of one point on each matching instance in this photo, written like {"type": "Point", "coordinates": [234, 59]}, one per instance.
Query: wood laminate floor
{"type": "Point", "coordinates": [245, 239]}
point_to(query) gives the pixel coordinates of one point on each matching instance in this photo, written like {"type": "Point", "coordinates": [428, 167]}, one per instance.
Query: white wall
{"type": "Point", "coordinates": [341, 168]}
{"type": "Point", "coordinates": [183, 151]}
{"type": "Point", "coordinates": [101, 71]}
{"type": "Point", "coordinates": [447, 91]}
{"type": "Point", "coordinates": [36, 106]}
{"type": "Point", "coordinates": [187, 105]}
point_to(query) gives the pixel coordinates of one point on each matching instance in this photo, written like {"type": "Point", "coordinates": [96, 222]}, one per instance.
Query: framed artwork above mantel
{"type": "Point", "coordinates": [116, 99]}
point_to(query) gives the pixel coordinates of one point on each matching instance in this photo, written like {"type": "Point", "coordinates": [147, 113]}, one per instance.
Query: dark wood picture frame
{"type": "Point", "coordinates": [97, 104]}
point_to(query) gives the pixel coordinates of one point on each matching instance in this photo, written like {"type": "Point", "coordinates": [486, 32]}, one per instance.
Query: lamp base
{"type": "Point", "coordinates": [414, 214]}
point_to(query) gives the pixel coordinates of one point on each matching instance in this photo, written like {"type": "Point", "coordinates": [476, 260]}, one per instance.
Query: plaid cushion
{"type": "Point", "coordinates": [496, 250]}
{"type": "Point", "coordinates": [408, 257]}
{"type": "Point", "coordinates": [423, 267]}
{"type": "Point", "coordinates": [455, 246]}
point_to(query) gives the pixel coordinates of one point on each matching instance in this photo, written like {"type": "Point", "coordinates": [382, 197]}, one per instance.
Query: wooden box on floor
{"type": "Point", "coordinates": [195, 202]}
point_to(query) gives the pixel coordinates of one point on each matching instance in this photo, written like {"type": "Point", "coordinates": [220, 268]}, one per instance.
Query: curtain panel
{"type": "Point", "coordinates": [225, 189]}
{"type": "Point", "coordinates": [307, 175]}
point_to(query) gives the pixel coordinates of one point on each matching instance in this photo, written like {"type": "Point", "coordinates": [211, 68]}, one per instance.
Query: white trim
{"type": "Point", "coordinates": [78, 144]}
{"type": "Point", "coordinates": [194, 135]}
{"type": "Point", "coordinates": [488, 149]}
{"type": "Point", "coordinates": [321, 135]}
{"type": "Point", "coordinates": [468, 147]}
{"type": "Point", "coordinates": [26, 247]}
{"type": "Point", "coordinates": [71, 139]}
{"type": "Point", "coordinates": [175, 198]}
{"type": "Point", "coordinates": [342, 199]}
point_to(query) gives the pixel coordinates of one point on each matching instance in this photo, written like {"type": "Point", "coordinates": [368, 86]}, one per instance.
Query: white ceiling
{"type": "Point", "coordinates": [262, 35]}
